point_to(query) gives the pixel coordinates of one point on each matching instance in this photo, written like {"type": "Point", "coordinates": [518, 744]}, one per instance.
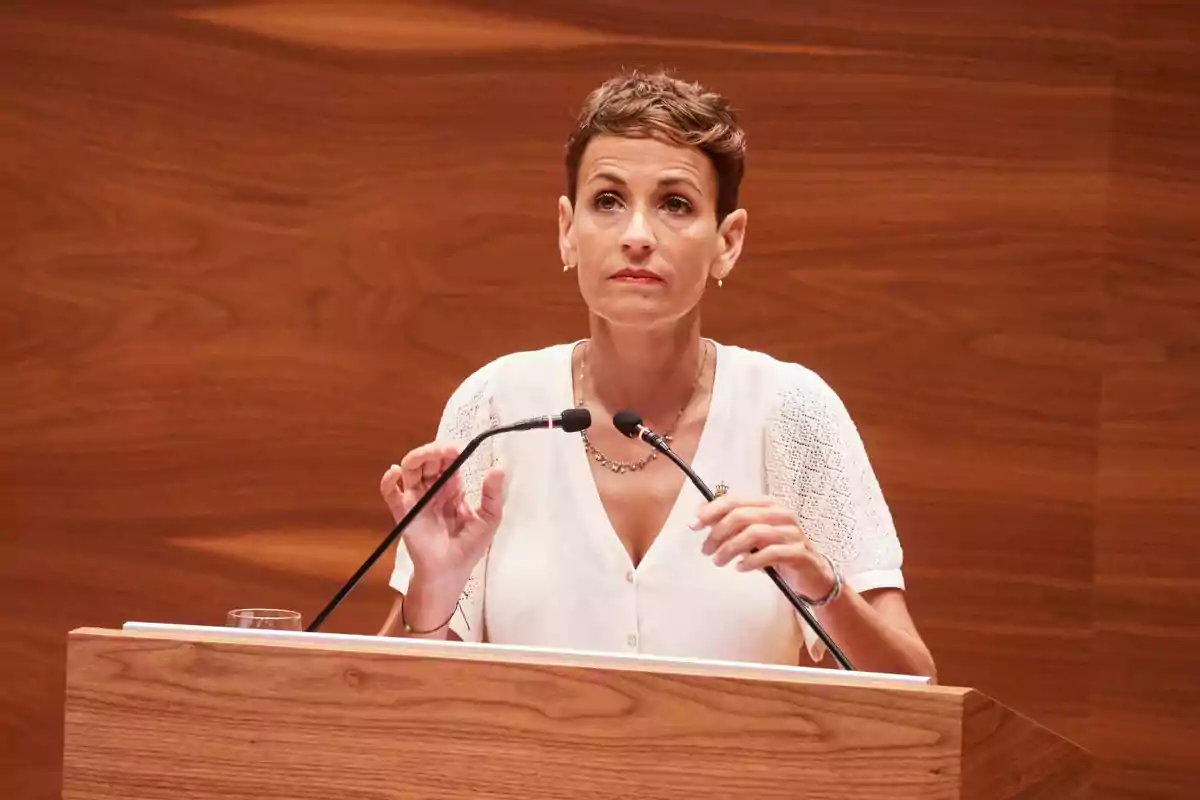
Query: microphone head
{"type": "Point", "coordinates": [627, 422]}
{"type": "Point", "coordinates": [575, 420]}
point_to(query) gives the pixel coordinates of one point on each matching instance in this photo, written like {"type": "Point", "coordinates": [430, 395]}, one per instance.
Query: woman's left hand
{"type": "Point", "coordinates": [739, 525]}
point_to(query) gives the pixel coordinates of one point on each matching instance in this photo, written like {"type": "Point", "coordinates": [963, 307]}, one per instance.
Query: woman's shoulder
{"type": "Point", "coordinates": [508, 386]}
{"type": "Point", "coordinates": [787, 399]}
{"type": "Point", "coordinates": [774, 379]}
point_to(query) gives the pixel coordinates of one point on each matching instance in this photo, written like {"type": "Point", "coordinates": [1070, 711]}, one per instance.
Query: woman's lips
{"type": "Point", "coordinates": [636, 276]}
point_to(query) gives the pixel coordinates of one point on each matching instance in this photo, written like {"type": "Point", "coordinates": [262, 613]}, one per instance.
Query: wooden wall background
{"type": "Point", "coordinates": [249, 248]}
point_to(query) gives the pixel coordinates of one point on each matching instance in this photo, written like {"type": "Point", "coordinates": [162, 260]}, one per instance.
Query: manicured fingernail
{"type": "Point", "coordinates": [696, 524]}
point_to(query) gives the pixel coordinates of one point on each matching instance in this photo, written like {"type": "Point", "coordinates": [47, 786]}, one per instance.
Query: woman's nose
{"type": "Point", "coordinates": [637, 236]}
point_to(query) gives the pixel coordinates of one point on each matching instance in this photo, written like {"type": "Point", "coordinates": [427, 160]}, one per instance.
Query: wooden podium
{"type": "Point", "coordinates": [193, 712]}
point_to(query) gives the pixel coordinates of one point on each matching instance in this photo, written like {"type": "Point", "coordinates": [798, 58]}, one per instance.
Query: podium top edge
{"type": "Point", "coordinates": [425, 648]}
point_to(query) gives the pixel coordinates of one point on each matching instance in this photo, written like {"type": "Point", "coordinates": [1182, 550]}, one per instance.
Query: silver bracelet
{"type": "Point", "coordinates": [833, 593]}
{"type": "Point", "coordinates": [409, 628]}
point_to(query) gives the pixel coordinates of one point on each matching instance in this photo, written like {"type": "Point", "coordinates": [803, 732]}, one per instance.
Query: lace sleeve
{"type": "Point", "coordinates": [467, 413]}
{"type": "Point", "coordinates": [816, 463]}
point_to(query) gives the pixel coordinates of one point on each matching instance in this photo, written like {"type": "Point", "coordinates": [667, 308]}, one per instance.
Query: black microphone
{"type": "Point", "coordinates": [630, 424]}
{"type": "Point", "coordinates": [571, 420]}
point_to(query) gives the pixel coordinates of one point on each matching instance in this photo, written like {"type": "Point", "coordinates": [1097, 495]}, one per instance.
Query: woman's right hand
{"type": "Point", "coordinates": [447, 538]}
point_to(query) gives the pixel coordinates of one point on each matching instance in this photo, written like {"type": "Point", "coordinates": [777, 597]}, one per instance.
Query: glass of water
{"type": "Point", "coordinates": [278, 619]}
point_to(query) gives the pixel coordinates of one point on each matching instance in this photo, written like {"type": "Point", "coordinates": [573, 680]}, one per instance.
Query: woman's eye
{"type": "Point", "coordinates": [677, 205]}
{"type": "Point", "coordinates": [607, 201]}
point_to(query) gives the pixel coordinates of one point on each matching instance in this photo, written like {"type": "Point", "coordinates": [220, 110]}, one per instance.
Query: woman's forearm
{"type": "Point", "coordinates": [873, 635]}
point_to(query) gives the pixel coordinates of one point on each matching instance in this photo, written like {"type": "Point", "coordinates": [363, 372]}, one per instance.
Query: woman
{"type": "Point", "coordinates": [593, 543]}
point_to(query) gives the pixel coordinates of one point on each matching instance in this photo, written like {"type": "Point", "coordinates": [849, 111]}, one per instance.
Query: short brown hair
{"type": "Point", "coordinates": [640, 104]}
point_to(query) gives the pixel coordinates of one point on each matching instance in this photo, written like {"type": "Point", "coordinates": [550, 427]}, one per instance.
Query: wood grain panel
{"type": "Point", "coordinates": [1147, 647]}
{"type": "Point", "coordinates": [153, 715]}
{"type": "Point", "coordinates": [1007, 755]}
{"type": "Point", "coordinates": [159, 719]}
{"type": "Point", "coordinates": [247, 249]}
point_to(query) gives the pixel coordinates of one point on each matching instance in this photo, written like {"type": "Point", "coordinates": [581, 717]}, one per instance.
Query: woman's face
{"type": "Point", "coordinates": [643, 231]}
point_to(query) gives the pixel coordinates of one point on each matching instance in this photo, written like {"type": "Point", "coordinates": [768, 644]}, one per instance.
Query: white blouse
{"type": "Point", "coordinates": [556, 574]}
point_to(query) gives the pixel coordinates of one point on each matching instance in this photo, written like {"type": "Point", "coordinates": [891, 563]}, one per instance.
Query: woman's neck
{"type": "Point", "coordinates": [654, 372]}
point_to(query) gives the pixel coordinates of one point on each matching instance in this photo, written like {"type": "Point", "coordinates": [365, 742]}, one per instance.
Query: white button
{"type": "Point", "coordinates": [633, 640]}
{"type": "Point", "coordinates": [629, 576]}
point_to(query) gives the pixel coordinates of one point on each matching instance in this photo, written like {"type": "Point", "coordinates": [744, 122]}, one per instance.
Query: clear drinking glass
{"type": "Point", "coordinates": [278, 619]}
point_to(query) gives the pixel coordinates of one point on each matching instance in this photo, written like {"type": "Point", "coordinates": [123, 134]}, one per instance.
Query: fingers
{"type": "Point", "coordinates": [753, 537]}
{"type": "Point", "coordinates": [486, 517]}
{"type": "Point", "coordinates": [389, 484]}
{"type": "Point", "coordinates": [415, 459]}
{"type": "Point", "coordinates": [403, 483]}
{"type": "Point", "coordinates": [433, 466]}
{"type": "Point", "coordinates": [797, 563]}
{"type": "Point", "coordinates": [450, 495]}
{"type": "Point", "coordinates": [774, 555]}
{"type": "Point", "coordinates": [491, 501]}
{"type": "Point", "coordinates": [736, 520]}
{"type": "Point", "coordinates": [714, 510]}
{"type": "Point", "coordinates": [421, 466]}
{"type": "Point", "coordinates": [389, 487]}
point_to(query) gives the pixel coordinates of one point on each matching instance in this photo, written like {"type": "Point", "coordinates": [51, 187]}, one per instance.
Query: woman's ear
{"type": "Point", "coordinates": [566, 233]}
{"type": "Point", "coordinates": [731, 235]}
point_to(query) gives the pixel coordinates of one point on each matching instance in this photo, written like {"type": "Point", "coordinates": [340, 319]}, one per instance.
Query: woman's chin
{"type": "Point", "coordinates": [634, 313]}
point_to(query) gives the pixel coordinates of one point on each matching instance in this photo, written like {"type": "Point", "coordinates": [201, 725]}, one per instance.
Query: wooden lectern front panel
{"type": "Point", "coordinates": [156, 718]}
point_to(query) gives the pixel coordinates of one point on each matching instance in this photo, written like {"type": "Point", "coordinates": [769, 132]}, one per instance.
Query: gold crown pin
{"type": "Point", "coordinates": [721, 489]}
